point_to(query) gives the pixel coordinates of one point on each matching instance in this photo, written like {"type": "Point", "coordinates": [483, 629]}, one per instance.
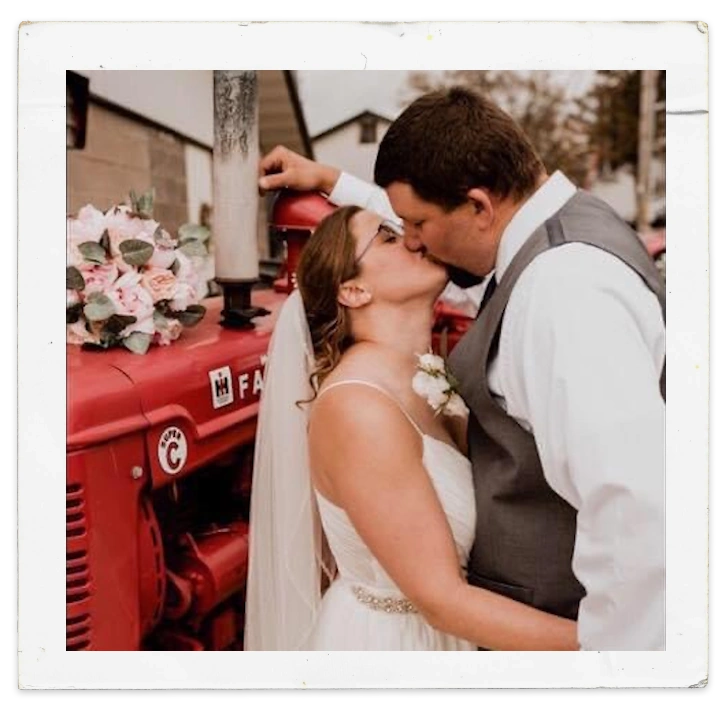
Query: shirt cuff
{"type": "Point", "coordinates": [350, 190]}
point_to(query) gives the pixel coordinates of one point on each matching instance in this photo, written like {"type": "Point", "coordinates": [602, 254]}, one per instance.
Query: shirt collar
{"type": "Point", "coordinates": [542, 205]}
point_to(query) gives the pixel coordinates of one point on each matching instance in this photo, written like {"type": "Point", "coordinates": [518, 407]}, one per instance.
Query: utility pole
{"type": "Point", "coordinates": [647, 121]}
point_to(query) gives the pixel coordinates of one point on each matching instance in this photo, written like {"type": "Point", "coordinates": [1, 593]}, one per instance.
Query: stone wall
{"type": "Point", "coordinates": [123, 154]}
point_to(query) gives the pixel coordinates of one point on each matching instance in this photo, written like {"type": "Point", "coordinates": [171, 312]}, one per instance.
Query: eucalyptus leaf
{"type": "Point", "coordinates": [144, 204]}
{"type": "Point", "coordinates": [94, 346]}
{"type": "Point", "coordinates": [73, 313]}
{"type": "Point", "coordinates": [74, 279]}
{"type": "Point", "coordinates": [99, 308]}
{"type": "Point", "coordinates": [193, 315]}
{"type": "Point", "coordinates": [136, 252]}
{"type": "Point", "coordinates": [138, 342]}
{"type": "Point", "coordinates": [193, 247]}
{"type": "Point", "coordinates": [105, 242]}
{"type": "Point", "coordinates": [174, 268]}
{"type": "Point", "coordinates": [160, 320]}
{"type": "Point", "coordinates": [116, 323]}
{"type": "Point", "coordinates": [93, 252]}
{"type": "Point", "coordinates": [194, 231]}
{"type": "Point", "coordinates": [108, 338]}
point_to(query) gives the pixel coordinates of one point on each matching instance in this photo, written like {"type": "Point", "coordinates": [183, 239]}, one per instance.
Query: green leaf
{"type": "Point", "coordinates": [160, 320]}
{"type": "Point", "coordinates": [138, 342]}
{"type": "Point", "coordinates": [193, 247]}
{"type": "Point", "coordinates": [194, 231]}
{"type": "Point", "coordinates": [98, 308]}
{"type": "Point", "coordinates": [74, 279]}
{"type": "Point", "coordinates": [93, 252]}
{"type": "Point", "coordinates": [94, 346]}
{"type": "Point", "coordinates": [108, 339]}
{"type": "Point", "coordinates": [193, 315]}
{"type": "Point", "coordinates": [116, 323]}
{"type": "Point", "coordinates": [73, 313]}
{"type": "Point", "coordinates": [144, 204]}
{"type": "Point", "coordinates": [105, 242]}
{"type": "Point", "coordinates": [174, 268]}
{"type": "Point", "coordinates": [136, 252]}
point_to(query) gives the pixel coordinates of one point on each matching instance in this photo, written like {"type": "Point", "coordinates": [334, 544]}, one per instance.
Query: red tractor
{"type": "Point", "coordinates": [159, 471]}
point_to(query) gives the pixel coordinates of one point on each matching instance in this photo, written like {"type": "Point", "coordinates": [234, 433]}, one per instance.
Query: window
{"type": "Point", "coordinates": [368, 129]}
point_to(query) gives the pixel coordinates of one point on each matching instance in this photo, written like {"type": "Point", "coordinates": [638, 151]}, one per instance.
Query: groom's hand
{"type": "Point", "coordinates": [282, 168]}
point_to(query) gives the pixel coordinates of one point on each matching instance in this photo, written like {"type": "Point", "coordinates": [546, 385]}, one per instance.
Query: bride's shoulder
{"type": "Point", "coordinates": [353, 399]}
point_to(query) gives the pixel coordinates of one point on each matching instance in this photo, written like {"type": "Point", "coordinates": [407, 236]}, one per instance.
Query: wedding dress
{"type": "Point", "coordinates": [363, 610]}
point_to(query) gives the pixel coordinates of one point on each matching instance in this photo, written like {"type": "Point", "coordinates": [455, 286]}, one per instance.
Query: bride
{"type": "Point", "coordinates": [363, 509]}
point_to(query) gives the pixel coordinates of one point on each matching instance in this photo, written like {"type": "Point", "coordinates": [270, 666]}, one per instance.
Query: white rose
{"type": "Point", "coordinates": [184, 296]}
{"type": "Point", "coordinates": [456, 407]}
{"type": "Point", "coordinates": [432, 361]}
{"type": "Point", "coordinates": [438, 393]}
{"type": "Point", "coordinates": [162, 258]}
{"type": "Point", "coordinates": [72, 297]}
{"type": "Point", "coordinates": [420, 383]}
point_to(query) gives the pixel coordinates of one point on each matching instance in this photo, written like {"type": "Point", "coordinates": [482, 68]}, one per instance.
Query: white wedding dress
{"type": "Point", "coordinates": [363, 610]}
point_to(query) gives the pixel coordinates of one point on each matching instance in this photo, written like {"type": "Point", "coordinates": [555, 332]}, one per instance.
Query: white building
{"type": "Point", "coordinates": [353, 144]}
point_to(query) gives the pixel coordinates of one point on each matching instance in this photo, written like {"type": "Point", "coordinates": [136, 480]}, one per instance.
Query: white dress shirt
{"type": "Point", "coordinates": [580, 357]}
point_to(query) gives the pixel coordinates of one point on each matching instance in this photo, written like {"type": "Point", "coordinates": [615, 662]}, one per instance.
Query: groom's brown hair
{"type": "Point", "coordinates": [448, 142]}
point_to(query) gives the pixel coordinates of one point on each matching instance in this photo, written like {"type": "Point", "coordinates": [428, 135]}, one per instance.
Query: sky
{"type": "Point", "coordinates": [330, 97]}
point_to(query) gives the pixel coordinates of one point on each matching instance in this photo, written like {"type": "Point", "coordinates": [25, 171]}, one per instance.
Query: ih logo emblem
{"type": "Point", "coordinates": [172, 450]}
{"type": "Point", "coordinates": [221, 384]}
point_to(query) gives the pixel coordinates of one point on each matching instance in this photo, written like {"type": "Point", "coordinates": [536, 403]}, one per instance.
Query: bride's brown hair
{"type": "Point", "coordinates": [327, 261]}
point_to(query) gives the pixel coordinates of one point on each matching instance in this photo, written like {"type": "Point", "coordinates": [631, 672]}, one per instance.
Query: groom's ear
{"type": "Point", "coordinates": [483, 205]}
{"type": "Point", "coordinates": [353, 294]}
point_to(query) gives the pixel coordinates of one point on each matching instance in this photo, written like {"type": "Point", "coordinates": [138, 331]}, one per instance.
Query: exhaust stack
{"type": "Point", "coordinates": [235, 172]}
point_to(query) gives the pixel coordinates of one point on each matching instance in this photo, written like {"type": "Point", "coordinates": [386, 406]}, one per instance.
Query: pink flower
{"type": "Point", "coordinates": [160, 283]}
{"type": "Point", "coordinates": [188, 275]}
{"type": "Point", "coordinates": [168, 332]}
{"type": "Point", "coordinates": [122, 226]}
{"type": "Point", "coordinates": [130, 298]}
{"type": "Point", "coordinates": [76, 333]}
{"type": "Point", "coordinates": [98, 277]}
{"type": "Point", "coordinates": [72, 297]}
{"type": "Point", "coordinates": [87, 227]}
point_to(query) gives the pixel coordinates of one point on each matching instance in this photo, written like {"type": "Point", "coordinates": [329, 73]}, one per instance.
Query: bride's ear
{"type": "Point", "coordinates": [353, 294]}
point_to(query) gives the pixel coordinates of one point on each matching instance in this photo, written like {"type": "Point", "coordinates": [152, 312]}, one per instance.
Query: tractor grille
{"type": "Point", "coordinates": [78, 586]}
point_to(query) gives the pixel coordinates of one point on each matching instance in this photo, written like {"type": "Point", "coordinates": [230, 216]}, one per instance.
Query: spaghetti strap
{"type": "Point", "coordinates": [383, 391]}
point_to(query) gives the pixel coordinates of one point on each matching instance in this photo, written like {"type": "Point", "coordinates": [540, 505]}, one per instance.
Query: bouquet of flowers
{"type": "Point", "coordinates": [128, 281]}
{"type": "Point", "coordinates": [437, 385]}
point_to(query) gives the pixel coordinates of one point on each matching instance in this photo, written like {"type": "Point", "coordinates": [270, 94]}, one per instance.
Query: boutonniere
{"type": "Point", "coordinates": [438, 386]}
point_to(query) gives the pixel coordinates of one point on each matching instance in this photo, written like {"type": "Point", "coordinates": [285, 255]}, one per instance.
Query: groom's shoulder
{"type": "Point", "coordinates": [572, 276]}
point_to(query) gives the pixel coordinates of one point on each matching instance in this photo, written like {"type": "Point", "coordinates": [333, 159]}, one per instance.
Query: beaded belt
{"type": "Point", "coordinates": [391, 605]}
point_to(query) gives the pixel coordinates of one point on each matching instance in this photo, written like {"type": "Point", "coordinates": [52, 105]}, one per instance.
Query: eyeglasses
{"type": "Point", "coordinates": [388, 230]}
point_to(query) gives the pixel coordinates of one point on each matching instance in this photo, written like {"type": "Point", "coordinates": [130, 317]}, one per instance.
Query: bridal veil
{"type": "Point", "coordinates": [286, 561]}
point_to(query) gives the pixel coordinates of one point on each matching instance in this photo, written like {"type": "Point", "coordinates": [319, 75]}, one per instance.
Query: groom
{"type": "Point", "coordinates": [563, 369]}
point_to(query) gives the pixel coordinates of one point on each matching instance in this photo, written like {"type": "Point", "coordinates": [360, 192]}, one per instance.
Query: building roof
{"type": "Point", "coordinates": [349, 121]}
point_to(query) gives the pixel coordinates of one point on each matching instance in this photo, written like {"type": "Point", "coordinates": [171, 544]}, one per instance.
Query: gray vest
{"type": "Point", "coordinates": [525, 531]}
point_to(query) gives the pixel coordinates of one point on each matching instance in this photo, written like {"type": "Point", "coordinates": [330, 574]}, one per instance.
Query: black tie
{"type": "Point", "coordinates": [489, 291]}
